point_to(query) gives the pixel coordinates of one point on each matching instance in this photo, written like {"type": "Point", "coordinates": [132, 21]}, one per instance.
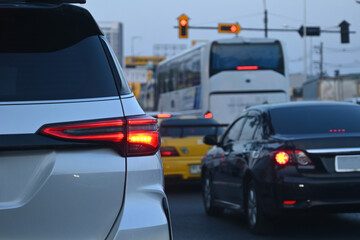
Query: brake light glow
{"type": "Point", "coordinates": [337, 130]}
{"type": "Point", "coordinates": [142, 137]}
{"type": "Point", "coordinates": [297, 157]}
{"type": "Point", "coordinates": [164, 115]}
{"type": "Point", "coordinates": [282, 158]}
{"type": "Point", "coordinates": [208, 115]}
{"type": "Point", "coordinates": [241, 68]}
{"type": "Point", "coordinates": [289, 202]}
{"type": "Point", "coordinates": [169, 152]}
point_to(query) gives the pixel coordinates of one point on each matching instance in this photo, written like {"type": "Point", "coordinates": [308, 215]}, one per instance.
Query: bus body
{"type": "Point", "coordinates": [223, 77]}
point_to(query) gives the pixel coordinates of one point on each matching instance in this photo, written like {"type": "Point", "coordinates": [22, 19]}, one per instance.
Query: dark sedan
{"type": "Point", "coordinates": [283, 158]}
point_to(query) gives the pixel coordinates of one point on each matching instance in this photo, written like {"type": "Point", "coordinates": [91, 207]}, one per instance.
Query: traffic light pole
{"type": "Point", "coordinates": [305, 47]}
{"type": "Point", "coordinates": [265, 20]}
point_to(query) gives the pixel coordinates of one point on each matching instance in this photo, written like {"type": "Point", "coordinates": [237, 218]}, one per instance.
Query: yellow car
{"type": "Point", "coordinates": [182, 145]}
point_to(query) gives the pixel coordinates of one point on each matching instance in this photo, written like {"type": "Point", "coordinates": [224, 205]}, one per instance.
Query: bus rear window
{"type": "Point", "coordinates": [244, 56]}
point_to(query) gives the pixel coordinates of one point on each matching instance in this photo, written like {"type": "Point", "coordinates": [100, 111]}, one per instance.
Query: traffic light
{"type": "Point", "coordinates": [310, 31]}
{"type": "Point", "coordinates": [183, 26]}
{"type": "Point", "coordinates": [229, 28]}
{"type": "Point", "coordinates": [344, 31]}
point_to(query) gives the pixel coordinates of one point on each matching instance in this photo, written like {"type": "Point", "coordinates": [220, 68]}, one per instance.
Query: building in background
{"type": "Point", "coordinates": [113, 32]}
{"type": "Point", "coordinates": [168, 50]}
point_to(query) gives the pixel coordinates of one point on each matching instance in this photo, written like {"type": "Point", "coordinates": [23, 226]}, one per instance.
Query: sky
{"type": "Point", "coordinates": [152, 22]}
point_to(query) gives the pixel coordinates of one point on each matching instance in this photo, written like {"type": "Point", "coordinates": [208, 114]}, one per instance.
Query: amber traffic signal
{"type": "Point", "coordinates": [183, 26]}
{"type": "Point", "coordinates": [229, 28]}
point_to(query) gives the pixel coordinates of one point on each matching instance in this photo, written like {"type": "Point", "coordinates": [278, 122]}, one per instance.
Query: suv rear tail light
{"type": "Point", "coordinates": [169, 152]}
{"type": "Point", "coordinates": [134, 136]}
{"type": "Point", "coordinates": [297, 157]}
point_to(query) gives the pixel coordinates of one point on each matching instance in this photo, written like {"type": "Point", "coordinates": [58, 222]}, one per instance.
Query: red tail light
{"type": "Point", "coordinates": [296, 157]}
{"type": "Point", "coordinates": [289, 202]}
{"type": "Point", "coordinates": [282, 158]}
{"type": "Point", "coordinates": [164, 115]}
{"type": "Point", "coordinates": [137, 136]}
{"type": "Point", "coordinates": [169, 152]}
{"type": "Point", "coordinates": [208, 115]}
{"type": "Point", "coordinates": [242, 68]}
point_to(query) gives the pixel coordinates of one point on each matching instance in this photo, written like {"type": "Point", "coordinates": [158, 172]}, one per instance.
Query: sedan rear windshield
{"type": "Point", "coordinates": [190, 131]}
{"type": "Point", "coordinates": [79, 71]}
{"type": "Point", "coordinates": [227, 57]}
{"type": "Point", "coordinates": [316, 120]}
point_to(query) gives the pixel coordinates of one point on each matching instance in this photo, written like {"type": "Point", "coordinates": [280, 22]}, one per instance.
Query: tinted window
{"type": "Point", "coordinates": [230, 56]}
{"type": "Point", "coordinates": [170, 132]}
{"type": "Point", "coordinates": [316, 119]}
{"type": "Point", "coordinates": [234, 132]}
{"type": "Point", "coordinates": [249, 128]}
{"type": "Point", "coordinates": [190, 131]}
{"type": "Point", "coordinates": [79, 71]}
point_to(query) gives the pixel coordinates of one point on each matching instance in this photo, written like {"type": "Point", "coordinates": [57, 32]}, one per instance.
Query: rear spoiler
{"type": "Point", "coordinates": [44, 1]}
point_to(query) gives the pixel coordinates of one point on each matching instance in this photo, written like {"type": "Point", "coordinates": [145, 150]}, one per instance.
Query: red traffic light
{"type": "Point", "coordinates": [183, 22]}
{"type": "Point", "coordinates": [233, 28]}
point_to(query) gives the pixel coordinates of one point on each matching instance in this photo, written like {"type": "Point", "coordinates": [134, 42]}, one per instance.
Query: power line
{"type": "Point", "coordinates": [231, 18]}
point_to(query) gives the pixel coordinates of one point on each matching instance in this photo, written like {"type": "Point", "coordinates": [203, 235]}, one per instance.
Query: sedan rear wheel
{"type": "Point", "coordinates": [257, 220]}
{"type": "Point", "coordinates": [208, 196]}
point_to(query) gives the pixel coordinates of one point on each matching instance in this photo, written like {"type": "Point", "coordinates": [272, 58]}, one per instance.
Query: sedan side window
{"type": "Point", "coordinates": [249, 128]}
{"type": "Point", "coordinates": [259, 132]}
{"type": "Point", "coordinates": [234, 132]}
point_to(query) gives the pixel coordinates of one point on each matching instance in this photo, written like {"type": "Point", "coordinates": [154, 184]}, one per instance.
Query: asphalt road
{"type": "Point", "coordinates": [189, 221]}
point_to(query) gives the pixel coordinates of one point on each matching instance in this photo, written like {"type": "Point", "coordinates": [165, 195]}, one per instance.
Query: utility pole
{"type": "Point", "coordinates": [321, 51]}
{"type": "Point", "coordinates": [265, 19]}
{"type": "Point", "coordinates": [305, 51]}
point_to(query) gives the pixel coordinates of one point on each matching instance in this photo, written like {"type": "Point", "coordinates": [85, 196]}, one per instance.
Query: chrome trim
{"type": "Point", "coordinates": [333, 150]}
{"type": "Point", "coordinates": [127, 96]}
{"type": "Point", "coordinates": [227, 183]}
{"type": "Point", "coordinates": [232, 205]}
{"type": "Point", "coordinates": [59, 101]}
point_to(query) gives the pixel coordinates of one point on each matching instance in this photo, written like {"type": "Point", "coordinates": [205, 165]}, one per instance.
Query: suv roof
{"type": "Point", "coordinates": [64, 26]}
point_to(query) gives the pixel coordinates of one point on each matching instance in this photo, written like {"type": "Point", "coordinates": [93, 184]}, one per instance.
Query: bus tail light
{"type": "Point", "coordinates": [169, 152]}
{"type": "Point", "coordinates": [208, 115]}
{"type": "Point", "coordinates": [134, 136]}
{"type": "Point", "coordinates": [242, 68]}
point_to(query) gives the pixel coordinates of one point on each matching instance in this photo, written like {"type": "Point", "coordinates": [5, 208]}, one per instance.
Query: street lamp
{"type": "Point", "coordinates": [132, 44]}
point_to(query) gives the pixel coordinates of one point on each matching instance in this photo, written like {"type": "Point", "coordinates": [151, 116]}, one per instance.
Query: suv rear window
{"type": "Point", "coordinates": [79, 71]}
{"type": "Point", "coordinates": [316, 119]}
{"type": "Point", "coordinates": [52, 52]}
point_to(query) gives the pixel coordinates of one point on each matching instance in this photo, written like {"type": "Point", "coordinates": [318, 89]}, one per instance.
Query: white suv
{"type": "Point", "coordinates": [79, 158]}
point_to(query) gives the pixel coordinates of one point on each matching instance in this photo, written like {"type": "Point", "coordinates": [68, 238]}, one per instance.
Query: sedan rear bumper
{"type": "Point", "coordinates": [328, 194]}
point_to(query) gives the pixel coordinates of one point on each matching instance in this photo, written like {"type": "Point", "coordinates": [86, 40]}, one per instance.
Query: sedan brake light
{"type": "Point", "coordinates": [296, 157]}
{"type": "Point", "coordinates": [134, 136]}
{"type": "Point", "coordinates": [282, 158]}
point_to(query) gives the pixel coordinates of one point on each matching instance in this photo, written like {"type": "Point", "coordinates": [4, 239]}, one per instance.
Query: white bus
{"type": "Point", "coordinates": [222, 77]}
